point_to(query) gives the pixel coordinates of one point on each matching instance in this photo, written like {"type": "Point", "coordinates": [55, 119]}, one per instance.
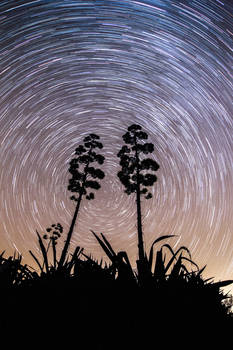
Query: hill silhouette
{"type": "Point", "coordinates": [104, 306]}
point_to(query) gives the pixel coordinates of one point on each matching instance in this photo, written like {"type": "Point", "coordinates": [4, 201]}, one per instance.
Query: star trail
{"type": "Point", "coordinates": [70, 68]}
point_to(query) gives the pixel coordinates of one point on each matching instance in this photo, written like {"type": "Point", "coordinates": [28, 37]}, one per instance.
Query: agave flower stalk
{"type": "Point", "coordinates": [134, 178]}
{"type": "Point", "coordinates": [82, 179]}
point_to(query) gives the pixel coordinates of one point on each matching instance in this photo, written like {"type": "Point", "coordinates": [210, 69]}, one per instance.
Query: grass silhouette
{"type": "Point", "coordinates": [108, 306]}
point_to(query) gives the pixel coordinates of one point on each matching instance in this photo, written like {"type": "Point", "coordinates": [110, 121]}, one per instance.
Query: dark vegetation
{"type": "Point", "coordinates": [74, 300]}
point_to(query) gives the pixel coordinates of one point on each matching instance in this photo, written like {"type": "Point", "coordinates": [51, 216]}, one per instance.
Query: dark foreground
{"type": "Point", "coordinates": [88, 316]}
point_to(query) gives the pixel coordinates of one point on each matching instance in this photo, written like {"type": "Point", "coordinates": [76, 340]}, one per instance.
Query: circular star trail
{"type": "Point", "coordinates": [69, 68]}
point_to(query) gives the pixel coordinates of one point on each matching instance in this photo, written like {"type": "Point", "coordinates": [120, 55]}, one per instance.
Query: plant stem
{"type": "Point", "coordinates": [46, 253]}
{"type": "Point", "coordinates": [141, 253]}
{"type": "Point", "coordinates": [69, 234]}
{"type": "Point", "coordinates": [54, 254]}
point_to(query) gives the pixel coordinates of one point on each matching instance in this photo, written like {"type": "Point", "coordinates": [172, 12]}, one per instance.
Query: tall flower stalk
{"type": "Point", "coordinates": [134, 173]}
{"type": "Point", "coordinates": [84, 177]}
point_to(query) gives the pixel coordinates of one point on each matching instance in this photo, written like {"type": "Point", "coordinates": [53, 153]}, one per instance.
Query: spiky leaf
{"type": "Point", "coordinates": [43, 251]}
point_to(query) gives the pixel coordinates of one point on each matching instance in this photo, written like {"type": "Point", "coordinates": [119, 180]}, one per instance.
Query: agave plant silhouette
{"type": "Point", "coordinates": [83, 178]}
{"type": "Point", "coordinates": [174, 266]}
{"type": "Point", "coordinates": [159, 269]}
{"type": "Point", "coordinates": [135, 177]}
{"type": "Point", "coordinates": [120, 261]}
{"type": "Point", "coordinates": [156, 270]}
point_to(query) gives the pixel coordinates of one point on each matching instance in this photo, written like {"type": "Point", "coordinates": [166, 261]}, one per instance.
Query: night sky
{"type": "Point", "coordinates": [70, 68]}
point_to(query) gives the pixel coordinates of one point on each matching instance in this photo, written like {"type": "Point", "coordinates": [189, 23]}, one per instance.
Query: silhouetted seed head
{"type": "Point", "coordinates": [55, 232]}
{"type": "Point", "coordinates": [81, 171]}
{"type": "Point", "coordinates": [134, 127]}
{"type": "Point", "coordinates": [133, 169]}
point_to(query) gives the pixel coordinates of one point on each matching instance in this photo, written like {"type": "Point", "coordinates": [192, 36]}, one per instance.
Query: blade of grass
{"type": "Point", "coordinates": [201, 270]}
{"type": "Point", "coordinates": [152, 246]}
{"type": "Point", "coordinates": [108, 244]}
{"type": "Point", "coordinates": [2, 254]}
{"type": "Point", "coordinates": [174, 255]}
{"type": "Point", "coordinates": [189, 260]}
{"type": "Point", "coordinates": [36, 260]}
{"type": "Point", "coordinates": [221, 283]}
{"type": "Point", "coordinates": [176, 268]}
{"type": "Point", "coordinates": [76, 253]}
{"type": "Point", "coordinates": [104, 247]}
{"type": "Point", "coordinates": [124, 256]}
{"type": "Point", "coordinates": [172, 258]}
{"type": "Point", "coordinates": [159, 269]}
{"type": "Point", "coordinates": [43, 251]}
{"type": "Point", "coordinates": [89, 258]}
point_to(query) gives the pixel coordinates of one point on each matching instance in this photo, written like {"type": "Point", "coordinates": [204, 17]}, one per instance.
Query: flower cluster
{"type": "Point", "coordinates": [54, 232]}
